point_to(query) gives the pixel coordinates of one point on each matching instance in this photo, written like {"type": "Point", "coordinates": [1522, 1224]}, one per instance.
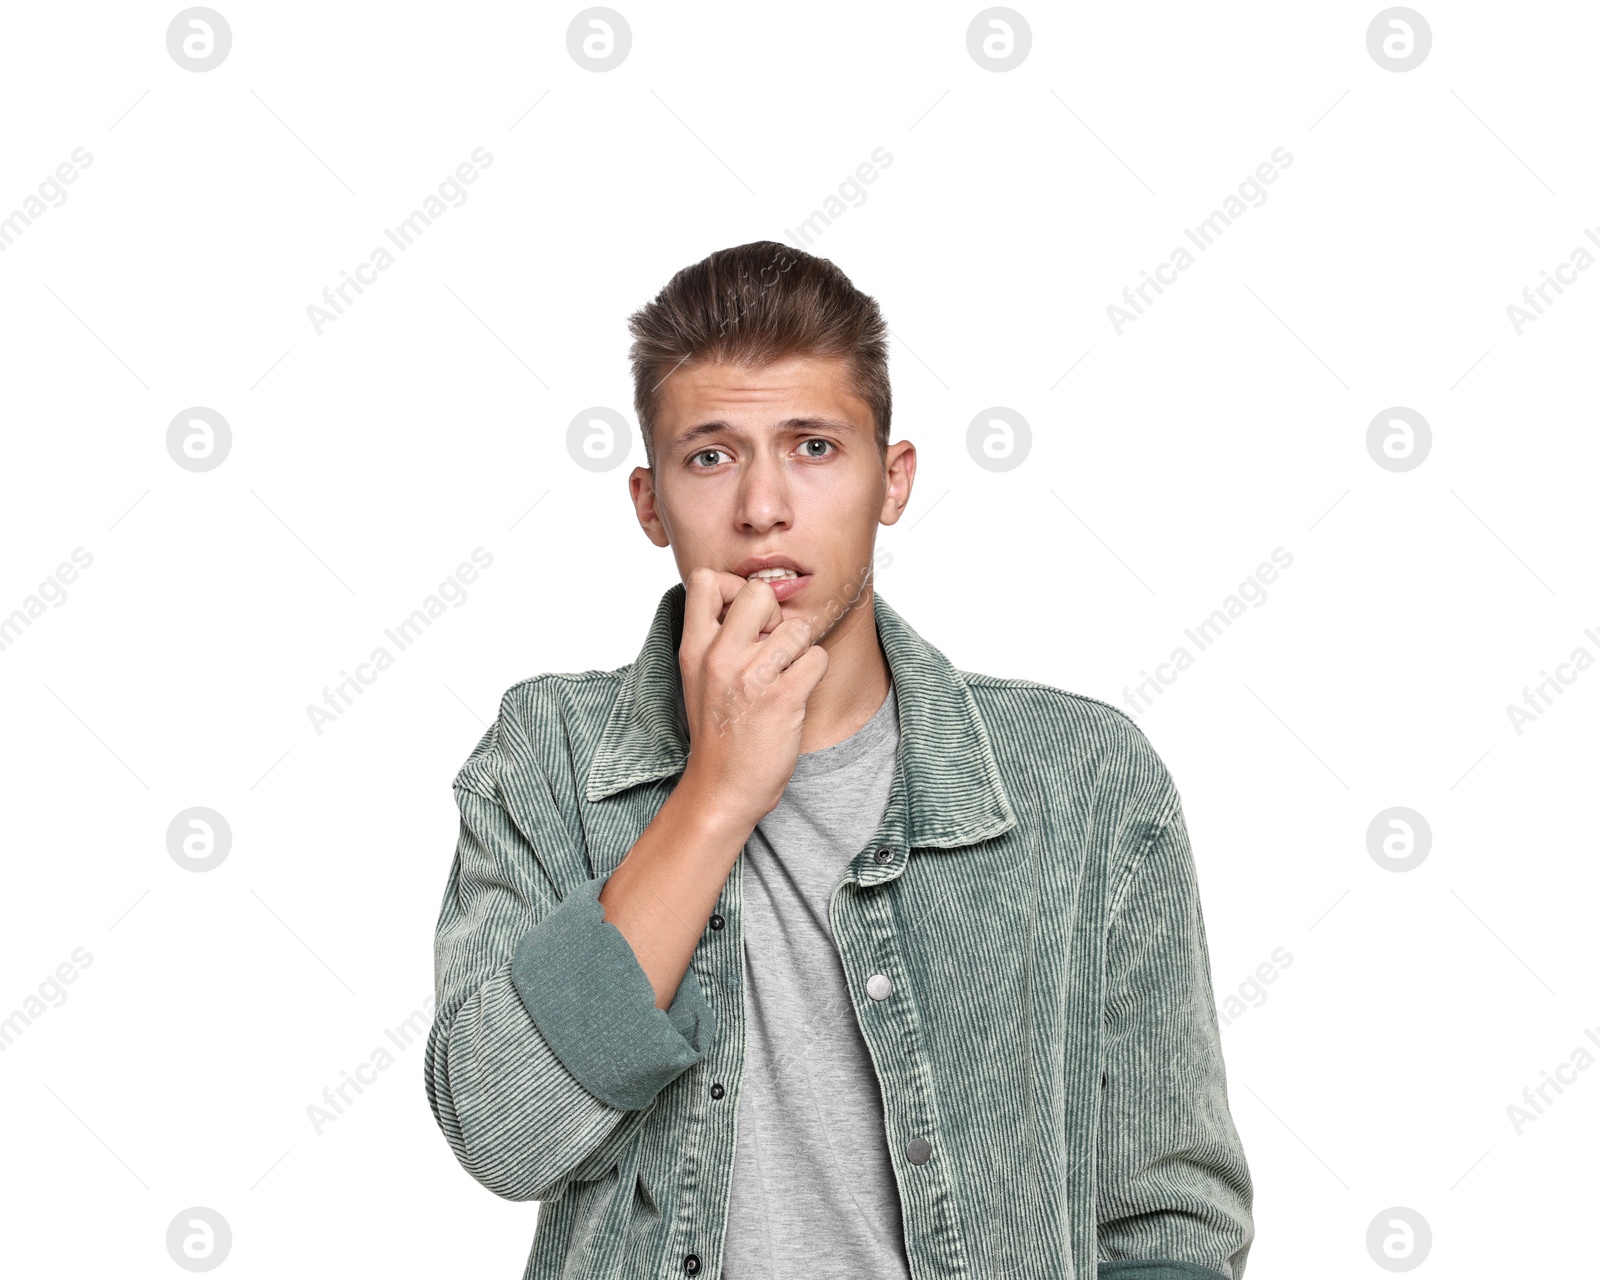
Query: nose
{"type": "Point", "coordinates": [764, 495]}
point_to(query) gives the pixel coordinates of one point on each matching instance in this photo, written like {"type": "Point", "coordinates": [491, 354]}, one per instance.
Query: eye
{"type": "Point", "coordinates": [817, 440]}
{"type": "Point", "coordinates": [703, 453]}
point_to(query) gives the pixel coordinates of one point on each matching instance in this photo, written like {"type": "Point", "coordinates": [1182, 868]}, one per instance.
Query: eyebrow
{"type": "Point", "coordinates": [788, 424]}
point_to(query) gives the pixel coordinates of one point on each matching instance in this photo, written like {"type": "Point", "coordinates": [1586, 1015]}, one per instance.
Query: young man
{"type": "Point", "coordinates": [949, 1014]}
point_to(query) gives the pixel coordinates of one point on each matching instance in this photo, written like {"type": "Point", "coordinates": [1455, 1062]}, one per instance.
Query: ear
{"type": "Point", "coordinates": [900, 470]}
{"type": "Point", "coordinates": [642, 492]}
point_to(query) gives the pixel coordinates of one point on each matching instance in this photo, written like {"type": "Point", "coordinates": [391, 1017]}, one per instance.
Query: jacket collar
{"type": "Point", "coordinates": [945, 769]}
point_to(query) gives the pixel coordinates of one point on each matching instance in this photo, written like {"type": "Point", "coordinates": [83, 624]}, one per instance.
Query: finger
{"type": "Point", "coordinates": [779, 651]}
{"type": "Point", "coordinates": [710, 591]}
{"type": "Point", "coordinates": [755, 609]}
{"type": "Point", "coordinates": [805, 672]}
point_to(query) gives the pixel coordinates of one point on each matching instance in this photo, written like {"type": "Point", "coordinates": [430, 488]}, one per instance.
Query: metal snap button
{"type": "Point", "coordinates": [879, 986]}
{"type": "Point", "coordinates": [918, 1150]}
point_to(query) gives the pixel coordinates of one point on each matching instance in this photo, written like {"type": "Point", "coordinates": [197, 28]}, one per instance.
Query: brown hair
{"type": "Point", "coordinates": [752, 305]}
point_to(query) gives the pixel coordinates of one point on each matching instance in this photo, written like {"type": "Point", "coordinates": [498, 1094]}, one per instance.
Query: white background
{"type": "Point", "coordinates": [431, 419]}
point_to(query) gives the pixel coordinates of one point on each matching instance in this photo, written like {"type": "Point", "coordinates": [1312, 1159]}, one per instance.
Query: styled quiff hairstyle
{"type": "Point", "coordinates": [752, 305]}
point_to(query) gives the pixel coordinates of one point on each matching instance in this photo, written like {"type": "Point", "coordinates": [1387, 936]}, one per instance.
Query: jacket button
{"type": "Point", "coordinates": [717, 1091]}
{"type": "Point", "coordinates": [879, 986]}
{"type": "Point", "coordinates": [918, 1150]}
{"type": "Point", "coordinates": [884, 855]}
{"type": "Point", "coordinates": [716, 923]}
{"type": "Point", "coordinates": [691, 1264]}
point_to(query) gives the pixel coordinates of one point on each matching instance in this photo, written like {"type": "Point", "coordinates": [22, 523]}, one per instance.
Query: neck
{"type": "Point", "coordinates": [857, 681]}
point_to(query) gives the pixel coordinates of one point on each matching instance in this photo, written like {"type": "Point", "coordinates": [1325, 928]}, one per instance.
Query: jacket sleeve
{"type": "Point", "coordinates": [547, 1051]}
{"type": "Point", "coordinates": [1173, 1199]}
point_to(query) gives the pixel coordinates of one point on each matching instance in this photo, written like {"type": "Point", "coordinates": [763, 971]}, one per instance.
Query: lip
{"type": "Point", "coordinates": [753, 564]}
{"type": "Point", "coordinates": [783, 589]}
{"type": "Point", "coordinates": [787, 587]}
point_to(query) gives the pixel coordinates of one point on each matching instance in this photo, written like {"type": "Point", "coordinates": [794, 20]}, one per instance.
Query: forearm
{"type": "Point", "coordinates": [546, 1029]}
{"type": "Point", "coordinates": [661, 895]}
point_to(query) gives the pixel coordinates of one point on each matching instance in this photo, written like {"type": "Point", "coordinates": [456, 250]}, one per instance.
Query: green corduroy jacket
{"type": "Point", "coordinates": [1047, 1049]}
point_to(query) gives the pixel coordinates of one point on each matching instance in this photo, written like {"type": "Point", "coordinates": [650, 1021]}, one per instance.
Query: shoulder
{"type": "Point", "coordinates": [539, 722]}
{"type": "Point", "coordinates": [1028, 710]}
{"type": "Point", "coordinates": [1047, 731]}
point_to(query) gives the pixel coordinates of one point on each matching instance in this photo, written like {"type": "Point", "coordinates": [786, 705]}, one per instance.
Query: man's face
{"type": "Point", "coordinates": [779, 461]}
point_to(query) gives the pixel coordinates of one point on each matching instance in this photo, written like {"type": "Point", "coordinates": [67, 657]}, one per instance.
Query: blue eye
{"type": "Point", "coordinates": [818, 440]}
{"type": "Point", "coordinates": [704, 452]}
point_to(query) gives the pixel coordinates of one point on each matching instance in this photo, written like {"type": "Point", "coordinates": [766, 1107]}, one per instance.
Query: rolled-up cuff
{"type": "Point", "coordinates": [592, 1001]}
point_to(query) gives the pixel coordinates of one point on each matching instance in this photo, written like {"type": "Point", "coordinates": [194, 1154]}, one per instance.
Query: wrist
{"type": "Point", "coordinates": [715, 814]}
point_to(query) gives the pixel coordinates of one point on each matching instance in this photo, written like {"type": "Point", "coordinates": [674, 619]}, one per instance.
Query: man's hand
{"type": "Point", "coordinates": [747, 674]}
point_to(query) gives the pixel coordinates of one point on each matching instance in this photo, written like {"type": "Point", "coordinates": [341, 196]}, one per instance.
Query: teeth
{"type": "Point", "coordinates": [770, 575]}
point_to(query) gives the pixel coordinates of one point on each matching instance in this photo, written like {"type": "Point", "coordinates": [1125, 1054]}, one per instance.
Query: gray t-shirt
{"type": "Point", "coordinates": [813, 1194]}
